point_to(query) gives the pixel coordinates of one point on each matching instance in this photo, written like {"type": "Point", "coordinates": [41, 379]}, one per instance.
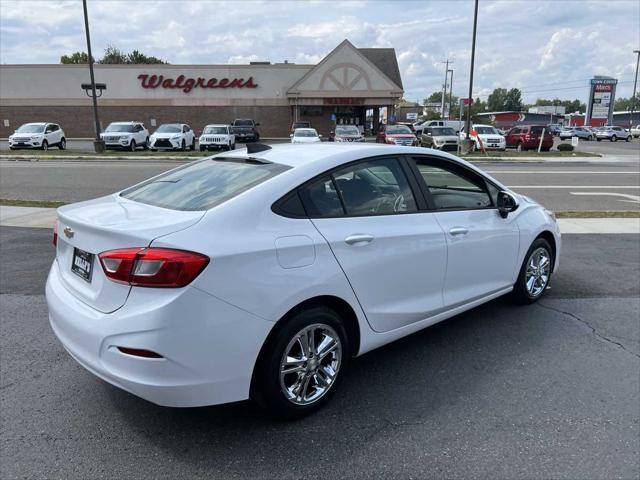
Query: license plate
{"type": "Point", "coordinates": [82, 264]}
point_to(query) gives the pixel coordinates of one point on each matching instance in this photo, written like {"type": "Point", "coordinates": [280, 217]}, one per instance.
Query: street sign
{"type": "Point", "coordinates": [574, 141]}
{"type": "Point", "coordinates": [467, 101]}
{"type": "Point", "coordinates": [412, 116]}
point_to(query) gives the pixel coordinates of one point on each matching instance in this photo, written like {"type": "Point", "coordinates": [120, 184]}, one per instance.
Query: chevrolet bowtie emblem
{"type": "Point", "coordinates": [68, 231]}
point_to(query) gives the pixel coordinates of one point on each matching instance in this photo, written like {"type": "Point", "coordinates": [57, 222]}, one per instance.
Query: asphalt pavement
{"type": "Point", "coordinates": [503, 391]}
{"type": "Point", "coordinates": [558, 185]}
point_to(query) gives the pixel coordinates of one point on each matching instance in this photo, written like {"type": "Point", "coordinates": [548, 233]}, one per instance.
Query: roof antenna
{"type": "Point", "coordinates": [257, 147]}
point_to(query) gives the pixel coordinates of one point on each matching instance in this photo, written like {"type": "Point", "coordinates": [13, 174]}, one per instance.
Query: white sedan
{"type": "Point", "coordinates": [305, 135]}
{"type": "Point", "coordinates": [258, 273]}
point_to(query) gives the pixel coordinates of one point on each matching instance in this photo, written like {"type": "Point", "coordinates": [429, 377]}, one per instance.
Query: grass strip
{"type": "Point", "coordinates": [13, 202]}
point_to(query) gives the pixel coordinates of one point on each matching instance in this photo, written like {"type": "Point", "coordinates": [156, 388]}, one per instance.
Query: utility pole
{"type": "Point", "coordinates": [473, 57]}
{"type": "Point", "coordinates": [450, 93]}
{"type": "Point", "coordinates": [98, 145]}
{"type": "Point", "coordinates": [444, 87]}
{"type": "Point", "coordinates": [635, 83]}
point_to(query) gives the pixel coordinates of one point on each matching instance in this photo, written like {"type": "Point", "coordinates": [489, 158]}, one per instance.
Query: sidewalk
{"type": "Point", "coordinates": [44, 217]}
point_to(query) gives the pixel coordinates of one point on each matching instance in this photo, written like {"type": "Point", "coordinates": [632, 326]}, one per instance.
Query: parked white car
{"type": "Point", "coordinates": [613, 134]}
{"type": "Point", "coordinates": [305, 135]}
{"type": "Point", "coordinates": [38, 135]}
{"type": "Point", "coordinates": [126, 135]}
{"type": "Point", "coordinates": [173, 136]}
{"type": "Point", "coordinates": [258, 273]}
{"type": "Point", "coordinates": [635, 131]}
{"type": "Point", "coordinates": [217, 136]}
{"type": "Point", "coordinates": [489, 135]}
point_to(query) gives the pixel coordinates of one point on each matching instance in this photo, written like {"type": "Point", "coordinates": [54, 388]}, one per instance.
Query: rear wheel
{"type": "Point", "coordinates": [45, 145]}
{"type": "Point", "coordinates": [628, 139]}
{"type": "Point", "coordinates": [193, 144]}
{"type": "Point", "coordinates": [520, 147]}
{"type": "Point", "coordinates": [599, 139]}
{"type": "Point", "coordinates": [63, 144]}
{"type": "Point", "coordinates": [183, 146]}
{"type": "Point", "coordinates": [535, 272]}
{"type": "Point", "coordinates": [146, 144]}
{"type": "Point", "coordinates": [302, 363]}
{"type": "Point", "coordinates": [233, 146]}
{"type": "Point", "coordinates": [202, 148]}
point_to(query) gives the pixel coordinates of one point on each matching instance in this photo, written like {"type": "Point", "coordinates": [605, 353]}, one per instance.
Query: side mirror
{"type": "Point", "coordinates": [507, 203]}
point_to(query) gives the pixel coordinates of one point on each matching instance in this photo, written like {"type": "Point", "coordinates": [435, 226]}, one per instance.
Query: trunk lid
{"type": "Point", "coordinates": [109, 223]}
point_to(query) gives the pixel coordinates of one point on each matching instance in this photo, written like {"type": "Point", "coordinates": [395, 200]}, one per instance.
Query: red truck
{"type": "Point", "coordinates": [527, 137]}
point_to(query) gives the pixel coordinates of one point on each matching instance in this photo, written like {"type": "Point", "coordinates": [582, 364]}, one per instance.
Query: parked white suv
{"type": "Point", "coordinates": [490, 137]}
{"type": "Point", "coordinates": [129, 135]}
{"type": "Point", "coordinates": [217, 136]}
{"type": "Point", "coordinates": [38, 135]}
{"type": "Point", "coordinates": [173, 136]}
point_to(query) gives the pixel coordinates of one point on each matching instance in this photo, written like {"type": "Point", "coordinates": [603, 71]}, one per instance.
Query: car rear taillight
{"type": "Point", "coordinates": [55, 233]}
{"type": "Point", "coordinates": [152, 267]}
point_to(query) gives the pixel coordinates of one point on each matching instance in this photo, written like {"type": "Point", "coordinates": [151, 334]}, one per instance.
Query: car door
{"type": "Point", "coordinates": [511, 137]}
{"type": "Point", "coordinates": [482, 247]}
{"type": "Point", "coordinates": [391, 249]}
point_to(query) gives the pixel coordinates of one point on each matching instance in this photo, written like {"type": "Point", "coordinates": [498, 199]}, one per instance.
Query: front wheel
{"type": "Point", "coordinates": [599, 139]}
{"type": "Point", "coordinates": [146, 144]}
{"type": "Point", "coordinates": [63, 144]}
{"type": "Point", "coordinates": [193, 144]}
{"type": "Point", "coordinates": [183, 146]}
{"type": "Point", "coordinates": [301, 364]}
{"type": "Point", "coordinates": [132, 146]}
{"type": "Point", "coordinates": [535, 273]}
{"type": "Point", "coordinates": [628, 139]}
{"type": "Point", "coordinates": [233, 146]}
{"type": "Point", "coordinates": [45, 145]}
{"type": "Point", "coordinates": [614, 139]}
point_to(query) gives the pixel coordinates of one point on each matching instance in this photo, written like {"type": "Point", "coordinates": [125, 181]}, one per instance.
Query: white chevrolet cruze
{"type": "Point", "coordinates": [258, 273]}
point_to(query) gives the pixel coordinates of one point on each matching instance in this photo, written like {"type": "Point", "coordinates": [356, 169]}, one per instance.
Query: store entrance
{"type": "Point", "coordinates": [351, 115]}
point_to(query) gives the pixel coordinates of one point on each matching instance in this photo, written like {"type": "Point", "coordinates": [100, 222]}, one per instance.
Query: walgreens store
{"type": "Point", "coordinates": [348, 85]}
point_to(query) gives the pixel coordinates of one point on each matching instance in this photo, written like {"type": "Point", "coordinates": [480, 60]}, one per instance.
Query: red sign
{"type": "Point", "coordinates": [467, 101]}
{"type": "Point", "coordinates": [603, 88]}
{"type": "Point", "coordinates": [187, 84]}
{"type": "Point", "coordinates": [343, 101]}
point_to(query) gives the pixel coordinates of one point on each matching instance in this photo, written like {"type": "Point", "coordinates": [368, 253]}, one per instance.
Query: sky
{"type": "Point", "coordinates": [547, 48]}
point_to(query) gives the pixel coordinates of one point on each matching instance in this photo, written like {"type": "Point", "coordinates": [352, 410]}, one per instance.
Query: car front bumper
{"type": "Point", "coordinates": [166, 143]}
{"type": "Point", "coordinates": [209, 347]}
{"type": "Point", "coordinates": [28, 144]}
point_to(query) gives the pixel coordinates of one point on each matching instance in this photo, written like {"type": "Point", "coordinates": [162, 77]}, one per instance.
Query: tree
{"type": "Point", "coordinates": [513, 100]}
{"type": "Point", "coordinates": [623, 104]}
{"type": "Point", "coordinates": [75, 58]}
{"type": "Point", "coordinates": [112, 56]}
{"type": "Point", "coordinates": [435, 97]}
{"type": "Point", "coordinates": [570, 106]}
{"type": "Point", "coordinates": [497, 100]}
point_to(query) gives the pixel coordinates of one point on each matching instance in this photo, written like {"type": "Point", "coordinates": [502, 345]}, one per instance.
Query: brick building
{"type": "Point", "coordinates": [344, 87]}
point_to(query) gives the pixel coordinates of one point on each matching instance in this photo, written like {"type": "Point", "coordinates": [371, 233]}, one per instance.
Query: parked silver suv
{"type": "Point", "coordinates": [613, 134]}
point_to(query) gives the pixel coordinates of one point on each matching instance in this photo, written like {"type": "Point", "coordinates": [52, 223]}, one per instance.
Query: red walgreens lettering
{"type": "Point", "coordinates": [187, 84]}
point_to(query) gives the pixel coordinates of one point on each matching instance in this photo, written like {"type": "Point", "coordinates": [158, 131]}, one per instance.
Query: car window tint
{"type": "Point", "coordinates": [320, 199]}
{"type": "Point", "coordinates": [202, 185]}
{"type": "Point", "coordinates": [375, 187]}
{"type": "Point", "coordinates": [536, 130]}
{"type": "Point", "coordinates": [454, 190]}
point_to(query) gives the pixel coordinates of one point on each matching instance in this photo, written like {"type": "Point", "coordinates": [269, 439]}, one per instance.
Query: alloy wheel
{"type": "Point", "coordinates": [310, 364]}
{"type": "Point", "coordinates": [538, 269]}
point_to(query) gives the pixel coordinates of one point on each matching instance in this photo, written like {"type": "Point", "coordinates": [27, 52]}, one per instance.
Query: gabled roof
{"type": "Point", "coordinates": [386, 61]}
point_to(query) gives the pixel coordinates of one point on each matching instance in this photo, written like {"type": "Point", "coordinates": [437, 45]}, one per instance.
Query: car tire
{"type": "Point", "coordinates": [276, 392]}
{"type": "Point", "coordinates": [146, 144]}
{"type": "Point", "coordinates": [533, 267]}
{"type": "Point", "coordinates": [154, 149]}
{"type": "Point", "coordinates": [132, 146]}
{"type": "Point", "coordinates": [63, 144]}
{"type": "Point", "coordinates": [202, 149]}
{"type": "Point", "coordinates": [598, 139]}
{"type": "Point", "coordinates": [45, 145]}
{"type": "Point", "coordinates": [590, 138]}
{"type": "Point", "coordinates": [520, 147]}
{"type": "Point", "coordinates": [614, 138]}
{"type": "Point", "coordinates": [628, 139]}
{"type": "Point", "coordinates": [233, 146]}
{"type": "Point", "coordinates": [193, 145]}
{"type": "Point", "coordinates": [183, 145]}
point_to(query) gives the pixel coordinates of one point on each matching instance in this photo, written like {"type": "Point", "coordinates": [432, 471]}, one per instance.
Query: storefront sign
{"type": "Point", "coordinates": [343, 101]}
{"type": "Point", "coordinates": [186, 84]}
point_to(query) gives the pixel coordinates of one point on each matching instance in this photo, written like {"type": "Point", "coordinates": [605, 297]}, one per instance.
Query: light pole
{"type": "Point", "coordinates": [450, 93]}
{"type": "Point", "coordinates": [98, 144]}
{"type": "Point", "coordinates": [635, 83]}
{"type": "Point", "coordinates": [473, 57]}
{"type": "Point", "coordinates": [444, 89]}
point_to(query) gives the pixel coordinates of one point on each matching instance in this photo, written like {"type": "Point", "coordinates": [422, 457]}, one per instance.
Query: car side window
{"type": "Point", "coordinates": [375, 187]}
{"type": "Point", "coordinates": [185, 129]}
{"type": "Point", "coordinates": [320, 199]}
{"type": "Point", "coordinates": [453, 188]}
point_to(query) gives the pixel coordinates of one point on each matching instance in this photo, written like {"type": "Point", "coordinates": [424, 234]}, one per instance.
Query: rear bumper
{"type": "Point", "coordinates": [209, 347]}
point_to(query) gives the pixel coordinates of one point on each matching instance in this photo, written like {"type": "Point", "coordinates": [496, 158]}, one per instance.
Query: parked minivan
{"type": "Point", "coordinates": [527, 137]}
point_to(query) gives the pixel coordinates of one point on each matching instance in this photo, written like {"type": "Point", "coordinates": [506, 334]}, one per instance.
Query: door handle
{"type": "Point", "coordinates": [358, 238]}
{"type": "Point", "coordinates": [458, 231]}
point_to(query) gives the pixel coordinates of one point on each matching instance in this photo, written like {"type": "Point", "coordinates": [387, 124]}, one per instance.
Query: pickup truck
{"type": "Point", "coordinates": [245, 130]}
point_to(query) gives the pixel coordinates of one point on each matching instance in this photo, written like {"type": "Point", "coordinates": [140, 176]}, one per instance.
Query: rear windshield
{"type": "Point", "coordinates": [398, 129]}
{"type": "Point", "coordinates": [202, 185]}
{"type": "Point", "coordinates": [442, 131]}
{"type": "Point", "coordinates": [347, 131]}
{"type": "Point", "coordinates": [305, 132]}
{"type": "Point", "coordinates": [243, 123]}
{"type": "Point", "coordinates": [486, 130]}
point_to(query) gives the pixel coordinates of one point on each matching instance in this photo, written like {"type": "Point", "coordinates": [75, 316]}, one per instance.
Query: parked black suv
{"type": "Point", "coordinates": [245, 130]}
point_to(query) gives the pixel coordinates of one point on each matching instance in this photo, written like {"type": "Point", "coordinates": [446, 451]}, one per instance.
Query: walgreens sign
{"type": "Point", "coordinates": [187, 84]}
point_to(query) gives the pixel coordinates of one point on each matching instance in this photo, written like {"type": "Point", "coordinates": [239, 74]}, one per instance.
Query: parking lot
{"type": "Point", "coordinates": [548, 390]}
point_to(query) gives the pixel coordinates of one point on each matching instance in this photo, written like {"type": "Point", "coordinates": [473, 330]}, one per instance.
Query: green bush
{"type": "Point", "coordinates": [565, 147]}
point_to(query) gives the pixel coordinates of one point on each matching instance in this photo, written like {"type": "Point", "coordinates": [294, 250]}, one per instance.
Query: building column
{"type": "Point", "coordinates": [376, 120]}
